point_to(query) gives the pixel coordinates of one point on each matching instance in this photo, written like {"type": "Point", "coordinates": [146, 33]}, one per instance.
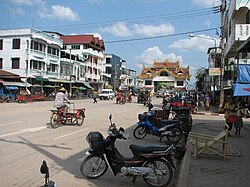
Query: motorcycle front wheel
{"type": "Point", "coordinates": [55, 120]}
{"type": "Point", "coordinates": [140, 132]}
{"type": "Point", "coordinates": [162, 174]}
{"type": "Point", "coordinates": [175, 135]}
{"type": "Point", "coordinates": [93, 166]}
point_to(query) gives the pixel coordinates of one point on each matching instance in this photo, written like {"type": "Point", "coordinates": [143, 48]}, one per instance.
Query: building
{"type": "Point", "coordinates": [111, 70]}
{"type": "Point", "coordinates": [169, 74]}
{"type": "Point", "coordinates": [89, 49]}
{"type": "Point", "coordinates": [32, 54]}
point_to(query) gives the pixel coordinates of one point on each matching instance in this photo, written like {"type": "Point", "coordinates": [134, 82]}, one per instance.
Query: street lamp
{"type": "Point", "coordinates": [215, 47]}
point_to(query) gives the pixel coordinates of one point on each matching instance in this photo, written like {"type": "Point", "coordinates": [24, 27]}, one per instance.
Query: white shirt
{"type": "Point", "coordinates": [60, 98]}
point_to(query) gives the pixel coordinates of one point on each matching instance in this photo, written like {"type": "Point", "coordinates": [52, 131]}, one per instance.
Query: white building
{"type": "Point", "coordinates": [30, 53]}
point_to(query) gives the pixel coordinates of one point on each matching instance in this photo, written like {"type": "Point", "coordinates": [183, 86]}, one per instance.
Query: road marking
{"type": "Point", "coordinates": [24, 130]}
{"type": "Point", "coordinates": [16, 122]}
{"type": "Point", "coordinates": [59, 137]}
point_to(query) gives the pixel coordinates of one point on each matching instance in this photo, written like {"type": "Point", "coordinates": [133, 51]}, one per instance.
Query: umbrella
{"type": "Point", "coordinates": [48, 86]}
{"type": "Point", "coordinates": [81, 88]}
{"type": "Point", "coordinates": [36, 85]}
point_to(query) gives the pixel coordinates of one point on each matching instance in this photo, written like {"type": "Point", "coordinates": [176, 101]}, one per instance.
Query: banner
{"type": "Point", "coordinates": [214, 71]}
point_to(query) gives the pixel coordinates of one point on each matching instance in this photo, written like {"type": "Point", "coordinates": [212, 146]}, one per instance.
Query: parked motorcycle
{"type": "Point", "coordinates": [153, 163]}
{"type": "Point", "coordinates": [150, 124]}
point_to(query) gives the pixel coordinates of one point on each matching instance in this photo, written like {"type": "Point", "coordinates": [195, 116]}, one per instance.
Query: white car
{"type": "Point", "coordinates": [106, 94]}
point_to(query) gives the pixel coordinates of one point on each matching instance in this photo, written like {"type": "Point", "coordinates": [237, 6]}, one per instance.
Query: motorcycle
{"type": "Point", "coordinates": [150, 124]}
{"type": "Point", "coordinates": [153, 163]}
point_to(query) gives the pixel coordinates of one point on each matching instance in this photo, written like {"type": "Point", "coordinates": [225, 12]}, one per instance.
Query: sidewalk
{"type": "Point", "coordinates": [210, 170]}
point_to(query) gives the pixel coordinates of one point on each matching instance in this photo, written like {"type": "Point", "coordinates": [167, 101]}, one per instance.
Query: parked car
{"type": "Point", "coordinates": [106, 94]}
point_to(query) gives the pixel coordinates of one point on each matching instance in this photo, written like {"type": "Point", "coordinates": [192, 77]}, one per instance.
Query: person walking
{"type": "Point", "coordinates": [207, 101]}
{"type": "Point", "coordinates": [239, 120]}
{"type": "Point", "coordinates": [95, 96]}
{"type": "Point", "coordinates": [229, 112]}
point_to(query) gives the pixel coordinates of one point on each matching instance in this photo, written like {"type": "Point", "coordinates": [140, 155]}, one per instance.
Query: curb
{"type": "Point", "coordinates": [208, 114]}
{"type": "Point", "coordinates": [185, 168]}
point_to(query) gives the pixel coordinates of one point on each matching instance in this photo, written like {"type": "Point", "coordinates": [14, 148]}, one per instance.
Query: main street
{"type": "Point", "coordinates": [26, 139]}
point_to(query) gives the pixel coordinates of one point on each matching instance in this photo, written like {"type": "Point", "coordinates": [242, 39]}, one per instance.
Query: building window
{"type": "Point", "coordinates": [16, 44]}
{"type": "Point", "coordinates": [164, 74]}
{"type": "Point", "coordinates": [1, 44]}
{"type": "Point", "coordinates": [1, 63]}
{"type": "Point", "coordinates": [75, 47]}
{"type": "Point", "coordinates": [180, 83]}
{"type": "Point", "coordinates": [148, 82]}
{"type": "Point", "coordinates": [64, 47]}
{"type": "Point", "coordinates": [15, 63]}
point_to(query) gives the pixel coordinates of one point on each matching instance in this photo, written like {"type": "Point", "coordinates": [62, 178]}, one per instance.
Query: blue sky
{"type": "Point", "coordinates": [143, 30]}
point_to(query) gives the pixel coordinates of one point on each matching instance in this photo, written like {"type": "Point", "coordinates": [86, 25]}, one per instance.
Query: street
{"type": "Point", "coordinates": [26, 139]}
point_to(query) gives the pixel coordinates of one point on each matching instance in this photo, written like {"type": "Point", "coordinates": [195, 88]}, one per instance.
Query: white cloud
{"type": "Point", "coordinates": [26, 2]}
{"type": "Point", "coordinates": [151, 30]}
{"type": "Point", "coordinates": [16, 10]}
{"type": "Point", "coordinates": [59, 12]}
{"type": "Point", "coordinates": [205, 3]}
{"type": "Point", "coordinates": [154, 53]}
{"type": "Point", "coordinates": [121, 29]}
{"type": "Point", "coordinates": [199, 43]}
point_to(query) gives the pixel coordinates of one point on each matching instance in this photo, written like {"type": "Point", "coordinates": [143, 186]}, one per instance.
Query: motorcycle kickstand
{"type": "Point", "coordinates": [133, 182]}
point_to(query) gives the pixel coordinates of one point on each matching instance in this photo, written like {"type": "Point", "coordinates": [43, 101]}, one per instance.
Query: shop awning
{"type": "Point", "coordinates": [241, 89]}
{"type": "Point", "coordinates": [43, 79]}
{"type": "Point", "coordinates": [88, 86]}
{"type": "Point", "coordinates": [20, 84]}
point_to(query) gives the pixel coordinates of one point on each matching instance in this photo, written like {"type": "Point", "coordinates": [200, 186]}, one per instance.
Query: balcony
{"type": "Point", "coordinates": [92, 52]}
{"type": "Point", "coordinates": [239, 34]}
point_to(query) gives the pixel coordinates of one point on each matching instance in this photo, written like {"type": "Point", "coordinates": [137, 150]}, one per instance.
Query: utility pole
{"type": "Point", "coordinates": [223, 9]}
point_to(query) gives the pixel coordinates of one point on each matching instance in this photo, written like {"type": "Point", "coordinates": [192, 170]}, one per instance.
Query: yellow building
{"type": "Point", "coordinates": [165, 74]}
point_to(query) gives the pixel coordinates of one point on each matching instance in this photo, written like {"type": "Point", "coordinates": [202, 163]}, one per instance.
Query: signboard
{"type": "Point", "coordinates": [214, 71]}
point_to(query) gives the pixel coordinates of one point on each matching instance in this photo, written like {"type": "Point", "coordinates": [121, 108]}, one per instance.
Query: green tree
{"type": "Point", "coordinates": [200, 79]}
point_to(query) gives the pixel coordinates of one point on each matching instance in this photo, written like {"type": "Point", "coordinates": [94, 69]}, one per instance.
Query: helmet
{"type": "Point", "coordinates": [62, 89]}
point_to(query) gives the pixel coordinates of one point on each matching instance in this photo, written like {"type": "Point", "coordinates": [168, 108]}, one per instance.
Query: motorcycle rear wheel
{"type": "Point", "coordinates": [140, 132]}
{"type": "Point", "coordinates": [80, 119]}
{"type": "Point", "coordinates": [93, 166]}
{"type": "Point", "coordinates": [176, 135]}
{"type": "Point", "coordinates": [162, 175]}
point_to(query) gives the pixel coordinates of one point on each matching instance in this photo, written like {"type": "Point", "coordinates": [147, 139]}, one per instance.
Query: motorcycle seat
{"type": "Point", "coordinates": [167, 121]}
{"type": "Point", "coordinates": [147, 149]}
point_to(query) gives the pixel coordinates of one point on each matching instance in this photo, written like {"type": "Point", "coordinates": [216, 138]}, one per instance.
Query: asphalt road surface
{"type": "Point", "coordinates": [26, 139]}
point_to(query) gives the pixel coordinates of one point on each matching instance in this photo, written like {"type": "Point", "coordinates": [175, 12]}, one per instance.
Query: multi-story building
{"type": "Point", "coordinates": [128, 78]}
{"type": "Point", "coordinates": [89, 50]}
{"type": "Point", "coordinates": [173, 76]}
{"type": "Point", "coordinates": [30, 53]}
{"type": "Point", "coordinates": [111, 70]}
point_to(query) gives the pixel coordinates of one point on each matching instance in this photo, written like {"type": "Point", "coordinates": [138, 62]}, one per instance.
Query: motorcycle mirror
{"type": "Point", "coordinates": [121, 129]}
{"type": "Point", "coordinates": [110, 117]}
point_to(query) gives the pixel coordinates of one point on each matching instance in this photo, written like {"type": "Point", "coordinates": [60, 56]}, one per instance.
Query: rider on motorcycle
{"type": "Point", "coordinates": [60, 100]}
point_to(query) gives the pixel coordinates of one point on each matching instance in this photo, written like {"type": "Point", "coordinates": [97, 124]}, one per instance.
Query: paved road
{"type": "Point", "coordinates": [26, 140]}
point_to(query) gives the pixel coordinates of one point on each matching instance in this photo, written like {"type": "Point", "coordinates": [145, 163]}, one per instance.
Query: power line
{"type": "Point", "coordinates": [162, 36]}
{"type": "Point", "coordinates": [146, 19]}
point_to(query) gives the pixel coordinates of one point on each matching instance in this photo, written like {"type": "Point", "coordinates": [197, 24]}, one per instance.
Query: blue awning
{"type": "Point", "coordinates": [241, 89]}
{"type": "Point", "coordinates": [11, 87]}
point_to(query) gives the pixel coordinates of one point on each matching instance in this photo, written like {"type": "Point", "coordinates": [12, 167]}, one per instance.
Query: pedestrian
{"type": "Point", "coordinates": [239, 120]}
{"type": "Point", "coordinates": [95, 96]}
{"type": "Point", "coordinates": [207, 101]}
{"type": "Point", "coordinates": [229, 112]}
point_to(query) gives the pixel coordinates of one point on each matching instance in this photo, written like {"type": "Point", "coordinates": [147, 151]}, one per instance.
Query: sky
{"type": "Point", "coordinates": [138, 31]}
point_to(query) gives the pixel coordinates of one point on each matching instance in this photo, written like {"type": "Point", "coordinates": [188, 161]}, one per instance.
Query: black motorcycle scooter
{"type": "Point", "coordinates": [153, 163]}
